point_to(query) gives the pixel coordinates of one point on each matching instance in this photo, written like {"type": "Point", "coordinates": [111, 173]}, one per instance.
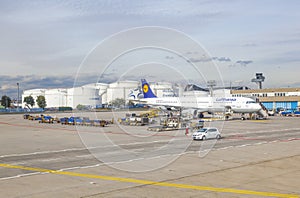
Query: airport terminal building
{"type": "Point", "coordinates": [273, 98]}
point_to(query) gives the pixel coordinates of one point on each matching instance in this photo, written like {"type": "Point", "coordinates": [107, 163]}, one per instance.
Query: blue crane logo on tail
{"type": "Point", "coordinates": [147, 90]}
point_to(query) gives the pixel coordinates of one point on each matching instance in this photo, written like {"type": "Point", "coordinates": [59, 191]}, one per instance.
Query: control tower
{"type": "Point", "coordinates": [259, 79]}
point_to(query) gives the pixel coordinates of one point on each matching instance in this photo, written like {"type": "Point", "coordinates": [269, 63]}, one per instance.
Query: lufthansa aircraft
{"type": "Point", "coordinates": [201, 104]}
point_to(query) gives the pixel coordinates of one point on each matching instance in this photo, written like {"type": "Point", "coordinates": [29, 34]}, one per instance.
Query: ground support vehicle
{"type": "Point", "coordinates": [46, 119]}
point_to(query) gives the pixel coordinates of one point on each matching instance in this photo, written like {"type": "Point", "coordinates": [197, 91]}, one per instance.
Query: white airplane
{"type": "Point", "coordinates": [199, 104]}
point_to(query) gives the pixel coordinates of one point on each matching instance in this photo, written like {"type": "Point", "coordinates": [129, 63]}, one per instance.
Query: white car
{"type": "Point", "coordinates": [206, 133]}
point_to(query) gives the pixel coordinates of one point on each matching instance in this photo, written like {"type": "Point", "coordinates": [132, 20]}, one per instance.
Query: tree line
{"type": "Point", "coordinates": [29, 100]}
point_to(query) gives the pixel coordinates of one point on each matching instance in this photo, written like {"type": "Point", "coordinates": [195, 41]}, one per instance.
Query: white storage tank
{"type": "Point", "coordinates": [102, 92]}
{"type": "Point", "coordinates": [120, 89]}
{"type": "Point", "coordinates": [85, 95]}
{"type": "Point", "coordinates": [56, 98]}
{"type": "Point", "coordinates": [34, 93]}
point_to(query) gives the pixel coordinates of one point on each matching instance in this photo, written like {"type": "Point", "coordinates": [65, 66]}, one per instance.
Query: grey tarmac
{"type": "Point", "coordinates": [253, 159]}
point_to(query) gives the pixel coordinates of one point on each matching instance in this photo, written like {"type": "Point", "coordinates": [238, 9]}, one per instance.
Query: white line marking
{"type": "Point", "coordinates": [51, 159]}
{"type": "Point", "coordinates": [136, 143]}
{"type": "Point", "coordinates": [239, 146]}
{"type": "Point", "coordinates": [263, 131]}
{"type": "Point", "coordinates": [70, 168]}
{"type": "Point", "coordinates": [42, 152]}
{"type": "Point", "coordinates": [21, 175]}
{"type": "Point", "coordinates": [125, 161]}
{"type": "Point", "coordinates": [84, 156]}
{"type": "Point", "coordinates": [223, 148]}
{"type": "Point", "coordinates": [81, 149]}
{"type": "Point", "coordinates": [258, 143]}
{"type": "Point", "coordinates": [91, 166]}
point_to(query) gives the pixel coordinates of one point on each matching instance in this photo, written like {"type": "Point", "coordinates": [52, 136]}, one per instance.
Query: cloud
{"type": "Point", "coordinates": [288, 41]}
{"type": "Point", "coordinates": [189, 53]}
{"type": "Point", "coordinates": [289, 56]}
{"type": "Point", "coordinates": [244, 62]}
{"type": "Point", "coordinates": [148, 8]}
{"type": "Point", "coordinates": [207, 59]}
{"type": "Point", "coordinates": [197, 60]}
{"type": "Point", "coordinates": [249, 45]}
{"type": "Point", "coordinates": [50, 11]}
{"type": "Point", "coordinates": [232, 65]}
{"type": "Point", "coordinates": [295, 84]}
{"type": "Point", "coordinates": [41, 36]}
{"type": "Point", "coordinates": [222, 59]}
{"type": "Point", "coordinates": [8, 84]}
{"type": "Point", "coordinates": [169, 57]}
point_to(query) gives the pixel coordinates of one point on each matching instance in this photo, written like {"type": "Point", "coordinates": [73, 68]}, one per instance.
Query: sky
{"type": "Point", "coordinates": [44, 44]}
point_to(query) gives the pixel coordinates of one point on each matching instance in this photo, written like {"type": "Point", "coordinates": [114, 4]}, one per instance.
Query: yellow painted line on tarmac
{"type": "Point", "coordinates": [147, 182]}
{"type": "Point", "coordinates": [260, 120]}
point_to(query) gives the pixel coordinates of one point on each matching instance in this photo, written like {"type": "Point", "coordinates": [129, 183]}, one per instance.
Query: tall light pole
{"type": "Point", "coordinates": [18, 95]}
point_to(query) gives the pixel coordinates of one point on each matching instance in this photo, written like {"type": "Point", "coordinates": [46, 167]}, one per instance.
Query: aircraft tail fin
{"type": "Point", "coordinates": [147, 91]}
